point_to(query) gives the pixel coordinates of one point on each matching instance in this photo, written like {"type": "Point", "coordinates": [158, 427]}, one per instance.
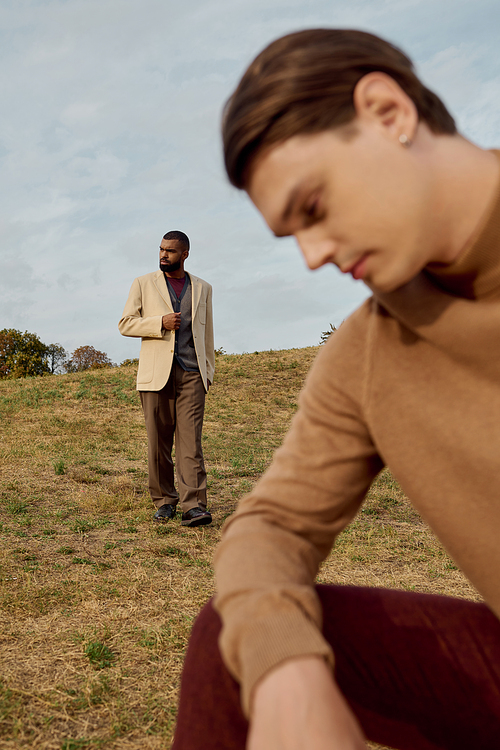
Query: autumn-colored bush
{"type": "Point", "coordinates": [87, 358]}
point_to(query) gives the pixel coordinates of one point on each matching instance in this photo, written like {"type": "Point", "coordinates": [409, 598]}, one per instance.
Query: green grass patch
{"type": "Point", "coordinates": [59, 467]}
{"type": "Point", "coordinates": [99, 655]}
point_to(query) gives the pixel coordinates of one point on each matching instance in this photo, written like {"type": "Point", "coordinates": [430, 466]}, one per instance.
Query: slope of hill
{"type": "Point", "coordinates": [96, 601]}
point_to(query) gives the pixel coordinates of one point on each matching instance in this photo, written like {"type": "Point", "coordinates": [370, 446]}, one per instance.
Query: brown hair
{"type": "Point", "coordinates": [304, 83]}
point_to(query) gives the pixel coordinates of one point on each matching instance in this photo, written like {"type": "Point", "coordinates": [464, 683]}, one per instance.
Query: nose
{"type": "Point", "coordinates": [316, 251]}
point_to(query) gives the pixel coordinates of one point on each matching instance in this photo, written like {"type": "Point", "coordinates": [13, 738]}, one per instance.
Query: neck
{"type": "Point", "coordinates": [465, 179]}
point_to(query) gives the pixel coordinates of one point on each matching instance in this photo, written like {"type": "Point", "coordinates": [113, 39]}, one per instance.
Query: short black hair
{"type": "Point", "coordinates": [176, 235]}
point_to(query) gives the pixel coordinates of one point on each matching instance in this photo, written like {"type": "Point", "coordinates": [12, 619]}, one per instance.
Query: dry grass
{"type": "Point", "coordinates": [96, 602]}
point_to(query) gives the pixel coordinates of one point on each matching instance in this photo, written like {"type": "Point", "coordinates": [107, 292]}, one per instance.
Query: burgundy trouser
{"type": "Point", "coordinates": [420, 672]}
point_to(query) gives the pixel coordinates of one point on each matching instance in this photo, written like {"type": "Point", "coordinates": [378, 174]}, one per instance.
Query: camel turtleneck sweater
{"type": "Point", "coordinates": [410, 381]}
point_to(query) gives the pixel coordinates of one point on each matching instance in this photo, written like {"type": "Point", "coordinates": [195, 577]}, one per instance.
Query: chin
{"type": "Point", "coordinates": [391, 284]}
{"type": "Point", "coordinates": [384, 286]}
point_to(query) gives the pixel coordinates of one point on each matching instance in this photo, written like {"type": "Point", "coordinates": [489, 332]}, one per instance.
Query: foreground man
{"type": "Point", "coordinates": [171, 311]}
{"type": "Point", "coordinates": [339, 144]}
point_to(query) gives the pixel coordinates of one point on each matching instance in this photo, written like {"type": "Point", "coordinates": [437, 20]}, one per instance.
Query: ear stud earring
{"type": "Point", "coordinates": [404, 140]}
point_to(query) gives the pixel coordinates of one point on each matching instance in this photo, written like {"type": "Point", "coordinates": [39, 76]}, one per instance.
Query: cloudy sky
{"type": "Point", "coordinates": [109, 137]}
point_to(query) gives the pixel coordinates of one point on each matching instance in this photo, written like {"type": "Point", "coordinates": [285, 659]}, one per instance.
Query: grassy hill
{"type": "Point", "coordinates": [96, 602]}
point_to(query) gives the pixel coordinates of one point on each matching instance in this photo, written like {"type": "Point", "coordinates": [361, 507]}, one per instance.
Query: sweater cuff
{"type": "Point", "coordinates": [269, 642]}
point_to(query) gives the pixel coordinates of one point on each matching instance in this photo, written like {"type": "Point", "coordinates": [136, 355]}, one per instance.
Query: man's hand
{"type": "Point", "coordinates": [298, 706]}
{"type": "Point", "coordinates": [171, 322]}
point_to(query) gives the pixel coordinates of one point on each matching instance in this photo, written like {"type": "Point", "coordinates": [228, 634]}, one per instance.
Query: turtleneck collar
{"type": "Point", "coordinates": [476, 272]}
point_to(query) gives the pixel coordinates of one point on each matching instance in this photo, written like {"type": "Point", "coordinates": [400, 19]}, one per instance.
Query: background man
{"type": "Point", "coordinates": [171, 311]}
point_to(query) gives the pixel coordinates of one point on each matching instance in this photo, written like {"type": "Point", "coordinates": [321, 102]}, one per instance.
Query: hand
{"type": "Point", "coordinates": [171, 322]}
{"type": "Point", "coordinates": [298, 706]}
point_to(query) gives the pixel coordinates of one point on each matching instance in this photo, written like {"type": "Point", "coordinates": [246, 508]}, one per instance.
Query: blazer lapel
{"type": "Point", "coordinates": [161, 285]}
{"type": "Point", "coordinates": [196, 294]}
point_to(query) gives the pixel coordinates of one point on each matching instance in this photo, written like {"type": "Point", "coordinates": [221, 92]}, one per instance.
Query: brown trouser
{"type": "Point", "coordinates": [420, 672]}
{"type": "Point", "coordinates": [176, 410]}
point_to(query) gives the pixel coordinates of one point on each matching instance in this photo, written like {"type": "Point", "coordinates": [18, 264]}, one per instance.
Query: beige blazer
{"type": "Point", "coordinates": [147, 303]}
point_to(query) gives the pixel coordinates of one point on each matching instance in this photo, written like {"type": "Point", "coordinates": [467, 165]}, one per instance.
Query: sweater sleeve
{"type": "Point", "coordinates": [272, 546]}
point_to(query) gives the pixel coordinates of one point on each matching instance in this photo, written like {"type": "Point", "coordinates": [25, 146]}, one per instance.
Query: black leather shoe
{"type": "Point", "coordinates": [164, 513]}
{"type": "Point", "coordinates": [196, 517]}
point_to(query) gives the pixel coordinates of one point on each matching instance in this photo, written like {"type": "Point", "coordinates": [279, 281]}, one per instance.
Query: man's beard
{"type": "Point", "coordinates": [169, 267]}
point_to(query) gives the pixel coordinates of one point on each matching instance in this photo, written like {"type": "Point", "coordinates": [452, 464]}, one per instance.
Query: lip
{"type": "Point", "coordinates": [357, 269]}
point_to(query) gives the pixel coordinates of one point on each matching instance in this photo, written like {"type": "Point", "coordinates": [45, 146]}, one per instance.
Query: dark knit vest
{"type": "Point", "coordinates": [184, 350]}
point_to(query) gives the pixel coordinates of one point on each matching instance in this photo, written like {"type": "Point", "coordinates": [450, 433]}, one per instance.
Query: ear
{"type": "Point", "coordinates": [379, 100]}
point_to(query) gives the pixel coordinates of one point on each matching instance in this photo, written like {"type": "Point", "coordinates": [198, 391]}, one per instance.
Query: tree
{"type": "Point", "coordinates": [7, 348]}
{"type": "Point", "coordinates": [57, 356]}
{"type": "Point", "coordinates": [326, 334]}
{"type": "Point", "coordinates": [22, 354]}
{"type": "Point", "coordinates": [87, 358]}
